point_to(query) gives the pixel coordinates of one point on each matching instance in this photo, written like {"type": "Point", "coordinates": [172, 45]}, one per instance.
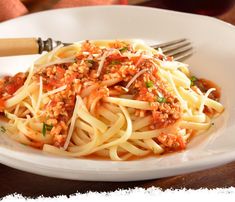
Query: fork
{"type": "Point", "coordinates": [179, 49]}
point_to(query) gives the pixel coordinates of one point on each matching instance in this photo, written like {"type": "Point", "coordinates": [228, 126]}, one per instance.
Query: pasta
{"type": "Point", "coordinates": [111, 99]}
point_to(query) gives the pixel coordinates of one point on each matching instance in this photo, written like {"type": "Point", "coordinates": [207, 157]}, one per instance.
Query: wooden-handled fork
{"type": "Point", "coordinates": [26, 46]}
{"type": "Point", "coordinates": [179, 49]}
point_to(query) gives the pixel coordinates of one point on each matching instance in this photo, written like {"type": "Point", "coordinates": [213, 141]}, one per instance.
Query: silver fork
{"type": "Point", "coordinates": [179, 49]}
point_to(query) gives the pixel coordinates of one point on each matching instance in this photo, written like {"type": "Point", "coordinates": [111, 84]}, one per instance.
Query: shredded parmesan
{"type": "Point", "coordinates": [40, 95]}
{"type": "Point", "coordinates": [139, 60]}
{"type": "Point", "coordinates": [72, 125]}
{"type": "Point", "coordinates": [85, 53]}
{"type": "Point", "coordinates": [101, 63]}
{"type": "Point", "coordinates": [135, 77]}
{"type": "Point", "coordinates": [204, 97]}
{"type": "Point", "coordinates": [130, 55]}
{"type": "Point", "coordinates": [55, 91]}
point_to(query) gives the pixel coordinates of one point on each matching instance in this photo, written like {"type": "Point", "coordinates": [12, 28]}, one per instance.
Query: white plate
{"type": "Point", "coordinates": [214, 43]}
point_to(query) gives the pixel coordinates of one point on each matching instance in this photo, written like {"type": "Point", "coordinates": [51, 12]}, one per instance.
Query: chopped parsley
{"type": "Point", "coordinates": [115, 62]}
{"type": "Point", "coordinates": [149, 84]}
{"type": "Point", "coordinates": [161, 99]}
{"type": "Point", "coordinates": [193, 79]}
{"type": "Point", "coordinates": [2, 129]}
{"type": "Point", "coordinates": [91, 61]}
{"type": "Point", "coordinates": [46, 128]}
{"type": "Point", "coordinates": [123, 49]}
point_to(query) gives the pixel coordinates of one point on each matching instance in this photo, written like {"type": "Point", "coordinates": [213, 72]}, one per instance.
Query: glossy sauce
{"type": "Point", "coordinates": [3, 118]}
{"type": "Point", "coordinates": [204, 85]}
{"type": "Point", "coordinates": [9, 85]}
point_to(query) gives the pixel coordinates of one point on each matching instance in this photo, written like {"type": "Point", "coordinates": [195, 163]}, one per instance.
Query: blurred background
{"type": "Point", "coordinates": [13, 8]}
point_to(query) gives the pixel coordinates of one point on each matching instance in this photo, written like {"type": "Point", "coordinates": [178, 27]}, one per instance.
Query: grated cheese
{"type": "Point", "coordinates": [55, 90]}
{"type": "Point", "coordinates": [135, 77]}
{"type": "Point", "coordinates": [101, 63]}
{"type": "Point", "coordinates": [72, 125]}
{"type": "Point", "coordinates": [40, 95]}
{"type": "Point", "coordinates": [204, 97]}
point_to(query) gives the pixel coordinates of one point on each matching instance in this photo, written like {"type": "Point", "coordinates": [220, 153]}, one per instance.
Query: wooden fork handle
{"type": "Point", "coordinates": [18, 46]}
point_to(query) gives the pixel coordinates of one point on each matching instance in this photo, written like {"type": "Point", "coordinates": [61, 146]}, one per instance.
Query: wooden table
{"type": "Point", "coordinates": [27, 184]}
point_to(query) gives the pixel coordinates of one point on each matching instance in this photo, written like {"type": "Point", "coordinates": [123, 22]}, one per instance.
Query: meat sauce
{"type": "Point", "coordinates": [204, 85]}
{"type": "Point", "coordinates": [9, 85]}
{"type": "Point", "coordinates": [148, 87]}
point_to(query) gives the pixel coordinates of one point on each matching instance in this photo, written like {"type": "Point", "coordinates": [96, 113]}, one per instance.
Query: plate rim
{"type": "Point", "coordinates": [226, 156]}
{"type": "Point", "coordinates": [211, 18]}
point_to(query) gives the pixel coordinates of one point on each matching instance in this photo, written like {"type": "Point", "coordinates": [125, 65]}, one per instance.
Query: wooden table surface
{"type": "Point", "coordinates": [16, 181]}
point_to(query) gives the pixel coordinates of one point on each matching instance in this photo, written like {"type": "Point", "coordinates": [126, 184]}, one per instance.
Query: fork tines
{"type": "Point", "coordinates": [179, 49]}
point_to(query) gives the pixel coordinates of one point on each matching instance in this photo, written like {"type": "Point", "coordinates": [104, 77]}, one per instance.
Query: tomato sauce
{"type": "Point", "coordinates": [9, 85]}
{"type": "Point", "coordinates": [204, 85]}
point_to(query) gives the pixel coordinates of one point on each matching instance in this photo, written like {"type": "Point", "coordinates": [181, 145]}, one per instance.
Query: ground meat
{"type": "Point", "coordinates": [76, 77]}
{"type": "Point", "coordinates": [171, 142]}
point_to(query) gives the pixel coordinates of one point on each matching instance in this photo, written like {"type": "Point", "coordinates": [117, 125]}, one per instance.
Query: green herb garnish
{"type": "Point", "coordinates": [46, 128]}
{"type": "Point", "coordinates": [2, 129]}
{"type": "Point", "coordinates": [193, 79]}
{"type": "Point", "coordinates": [149, 84]}
{"type": "Point", "coordinates": [161, 99]}
{"type": "Point", "coordinates": [123, 49]}
{"type": "Point", "coordinates": [115, 62]}
{"type": "Point", "coordinates": [49, 127]}
{"type": "Point", "coordinates": [91, 61]}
